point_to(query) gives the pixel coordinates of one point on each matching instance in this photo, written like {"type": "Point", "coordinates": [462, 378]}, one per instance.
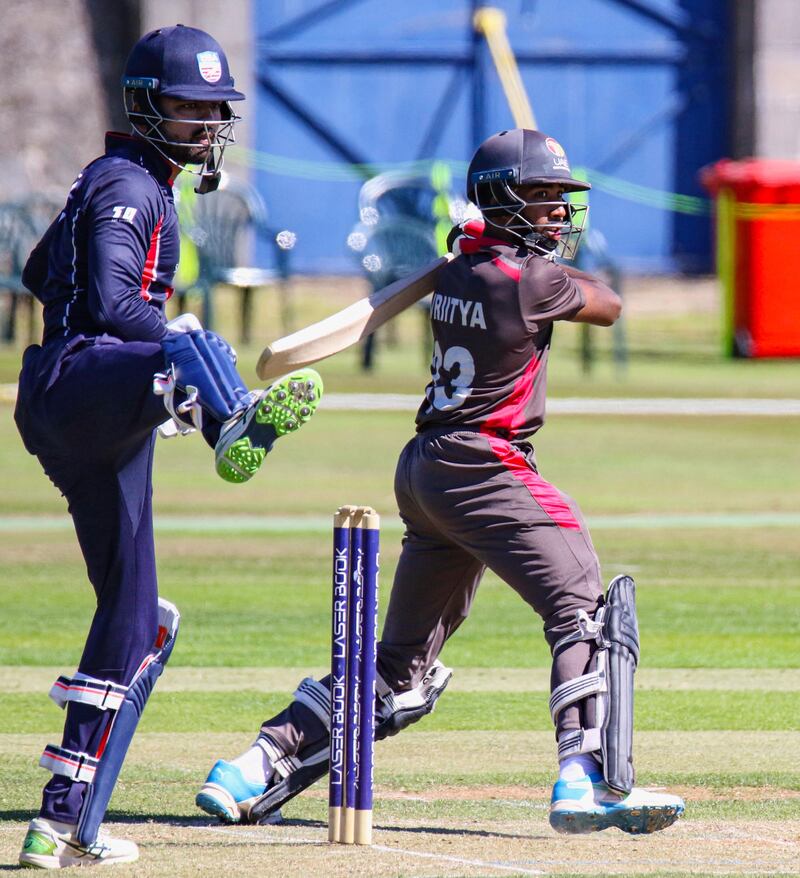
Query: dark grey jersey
{"type": "Point", "coordinates": [492, 316]}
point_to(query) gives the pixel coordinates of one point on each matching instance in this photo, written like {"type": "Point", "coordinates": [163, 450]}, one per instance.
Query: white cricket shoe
{"type": "Point", "coordinates": [52, 845]}
{"type": "Point", "coordinates": [589, 805]}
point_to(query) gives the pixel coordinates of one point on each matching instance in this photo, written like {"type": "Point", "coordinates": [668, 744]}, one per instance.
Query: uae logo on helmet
{"type": "Point", "coordinates": [560, 160]}
{"type": "Point", "coordinates": [210, 66]}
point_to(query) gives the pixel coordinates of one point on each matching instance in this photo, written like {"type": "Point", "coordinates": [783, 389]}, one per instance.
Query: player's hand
{"type": "Point", "coordinates": [471, 228]}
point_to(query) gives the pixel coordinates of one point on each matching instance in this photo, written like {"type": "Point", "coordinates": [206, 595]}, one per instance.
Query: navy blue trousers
{"type": "Point", "coordinates": [86, 409]}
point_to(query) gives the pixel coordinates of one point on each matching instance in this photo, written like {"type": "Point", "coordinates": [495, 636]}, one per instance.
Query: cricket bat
{"type": "Point", "coordinates": [346, 327]}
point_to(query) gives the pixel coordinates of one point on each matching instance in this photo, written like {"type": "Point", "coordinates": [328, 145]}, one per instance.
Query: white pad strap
{"type": "Point", "coordinates": [588, 629]}
{"type": "Point", "coordinates": [316, 698]}
{"type": "Point", "coordinates": [102, 694]}
{"type": "Point", "coordinates": [416, 697]}
{"type": "Point", "coordinates": [282, 764]}
{"type": "Point", "coordinates": [579, 741]}
{"type": "Point", "coordinates": [173, 427]}
{"type": "Point", "coordinates": [70, 763]}
{"type": "Point", "coordinates": [284, 767]}
{"type": "Point", "coordinates": [164, 385]}
{"type": "Point", "coordinates": [576, 690]}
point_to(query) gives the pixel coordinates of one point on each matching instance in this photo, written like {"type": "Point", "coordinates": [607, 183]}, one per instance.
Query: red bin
{"type": "Point", "coordinates": [758, 254]}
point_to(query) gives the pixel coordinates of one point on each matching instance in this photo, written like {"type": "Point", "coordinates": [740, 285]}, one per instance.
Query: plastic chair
{"type": "Point", "coordinates": [21, 226]}
{"type": "Point", "coordinates": [397, 233]}
{"type": "Point", "coordinates": [595, 257]}
{"type": "Point", "coordinates": [221, 227]}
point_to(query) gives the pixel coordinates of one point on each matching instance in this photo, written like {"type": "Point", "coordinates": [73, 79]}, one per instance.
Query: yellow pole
{"type": "Point", "coordinates": [491, 22]}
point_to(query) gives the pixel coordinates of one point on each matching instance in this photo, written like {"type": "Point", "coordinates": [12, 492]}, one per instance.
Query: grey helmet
{"type": "Point", "coordinates": [188, 64]}
{"type": "Point", "coordinates": [520, 157]}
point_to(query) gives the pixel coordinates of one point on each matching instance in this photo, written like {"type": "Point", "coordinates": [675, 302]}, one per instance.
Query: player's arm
{"type": "Point", "coordinates": [602, 305]}
{"type": "Point", "coordinates": [122, 219]}
{"type": "Point", "coordinates": [34, 274]}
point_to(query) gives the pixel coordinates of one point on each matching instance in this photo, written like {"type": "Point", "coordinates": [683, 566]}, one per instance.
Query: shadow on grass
{"type": "Point", "coordinates": [460, 831]}
{"type": "Point", "coordinates": [178, 820]}
{"type": "Point", "coordinates": [17, 816]}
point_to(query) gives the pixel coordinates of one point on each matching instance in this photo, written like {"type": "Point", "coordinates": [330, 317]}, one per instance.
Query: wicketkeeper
{"type": "Point", "coordinates": [471, 497]}
{"type": "Point", "coordinates": [92, 394]}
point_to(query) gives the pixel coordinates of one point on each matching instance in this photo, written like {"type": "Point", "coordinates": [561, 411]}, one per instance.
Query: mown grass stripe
{"type": "Point", "coordinates": [479, 711]}
{"type": "Point", "coordinates": [741, 758]}
{"type": "Point", "coordinates": [670, 406]}
{"type": "Point", "coordinates": [28, 679]}
{"type": "Point", "coordinates": [244, 525]}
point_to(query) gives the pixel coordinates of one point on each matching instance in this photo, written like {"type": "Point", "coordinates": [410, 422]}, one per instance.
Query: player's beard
{"type": "Point", "coordinates": [188, 155]}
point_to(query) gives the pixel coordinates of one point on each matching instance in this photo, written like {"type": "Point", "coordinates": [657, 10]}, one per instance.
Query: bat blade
{"type": "Point", "coordinates": [348, 326]}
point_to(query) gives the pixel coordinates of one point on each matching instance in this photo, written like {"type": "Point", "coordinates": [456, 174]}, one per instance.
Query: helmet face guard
{"type": "Point", "coordinates": [186, 64]}
{"type": "Point", "coordinates": [502, 207]}
{"type": "Point", "coordinates": [146, 122]}
{"type": "Point", "coordinates": [522, 157]}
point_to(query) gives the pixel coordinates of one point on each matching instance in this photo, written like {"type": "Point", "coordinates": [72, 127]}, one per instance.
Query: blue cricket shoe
{"type": "Point", "coordinates": [226, 794]}
{"type": "Point", "coordinates": [590, 805]}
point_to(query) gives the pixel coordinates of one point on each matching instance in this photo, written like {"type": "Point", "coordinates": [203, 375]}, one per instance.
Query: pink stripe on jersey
{"type": "Point", "coordinates": [151, 262]}
{"type": "Point", "coordinates": [507, 267]}
{"type": "Point", "coordinates": [546, 495]}
{"type": "Point", "coordinates": [511, 414]}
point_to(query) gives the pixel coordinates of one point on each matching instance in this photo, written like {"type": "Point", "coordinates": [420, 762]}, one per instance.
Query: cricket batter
{"type": "Point", "coordinates": [108, 372]}
{"type": "Point", "coordinates": [471, 497]}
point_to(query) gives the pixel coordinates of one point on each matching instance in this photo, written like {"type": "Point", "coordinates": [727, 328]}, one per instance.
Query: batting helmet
{"type": "Point", "coordinates": [186, 64]}
{"type": "Point", "coordinates": [521, 157]}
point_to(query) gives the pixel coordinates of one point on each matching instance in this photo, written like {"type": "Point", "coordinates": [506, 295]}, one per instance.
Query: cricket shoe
{"type": "Point", "coordinates": [589, 805]}
{"type": "Point", "coordinates": [227, 795]}
{"type": "Point", "coordinates": [52, 845]}
{"type": "Point", "coordinates": [247, 437]}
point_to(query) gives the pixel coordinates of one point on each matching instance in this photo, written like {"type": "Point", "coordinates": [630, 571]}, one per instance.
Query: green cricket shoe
{"type": "Point", "coordinates": [52, 845]}
{"type": "Point", "coordinates": [246, 439]}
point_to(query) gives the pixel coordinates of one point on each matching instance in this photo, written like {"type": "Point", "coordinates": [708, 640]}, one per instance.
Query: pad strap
{"type": "Point", "coordinates": [102, 694]}
{"type": "Point", "coordinates": [316, 698]}
{"type": "Point", "coordinates": [70, 763]}
{"type": "Point", "coordinates": [587, 629]}
{"type": "Point", "coordinates": [285, 766]}
{"type": "Point", "coordinates": [187, 416]}
{"type": "Point", "coordinates": [282, 763]}
{"type": "Point", "coordinates": [578, 741]}
{"type": "Point", "coordinates": [176, 426]}
{"type": "Point", "coordinates": [433, 683]}
{"type": "Point", "coordinates": [576, 690]}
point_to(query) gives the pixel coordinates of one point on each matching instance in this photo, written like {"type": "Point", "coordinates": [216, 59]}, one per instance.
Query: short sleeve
{"type": "Point", "coordinates": [547, 293]}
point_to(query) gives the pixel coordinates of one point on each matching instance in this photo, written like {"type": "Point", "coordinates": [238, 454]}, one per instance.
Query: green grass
{"type": "Point", "coordinates": [712, 598]}
{"type": "Point", "coordinates": [670, 352]}
{"type": "Point", "coordinates": [708, 597]}
{"type": "Point", "coordinates": [244, 711]}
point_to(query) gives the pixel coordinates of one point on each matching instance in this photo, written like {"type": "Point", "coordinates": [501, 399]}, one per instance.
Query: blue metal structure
{"type": "Point", "coordinates": [634, 89]}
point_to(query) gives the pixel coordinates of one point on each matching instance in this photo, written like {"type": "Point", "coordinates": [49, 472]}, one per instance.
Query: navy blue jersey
{"type": "Point", "coordinates": [107, 263]}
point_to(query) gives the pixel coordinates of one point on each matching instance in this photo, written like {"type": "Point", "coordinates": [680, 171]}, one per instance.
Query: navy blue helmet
{"type": "Point", "coordinates": [185, 64]}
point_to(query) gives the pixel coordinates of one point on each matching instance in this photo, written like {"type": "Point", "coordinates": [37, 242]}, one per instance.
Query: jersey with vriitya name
{"type": "Point", "coordinates": [106, 264]}
{"type": "Point", "coordinates": [492, 316]}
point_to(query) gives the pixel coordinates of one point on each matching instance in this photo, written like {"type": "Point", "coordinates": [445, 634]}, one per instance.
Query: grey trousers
{"type": "Point", "coordinates": [469, 502]}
